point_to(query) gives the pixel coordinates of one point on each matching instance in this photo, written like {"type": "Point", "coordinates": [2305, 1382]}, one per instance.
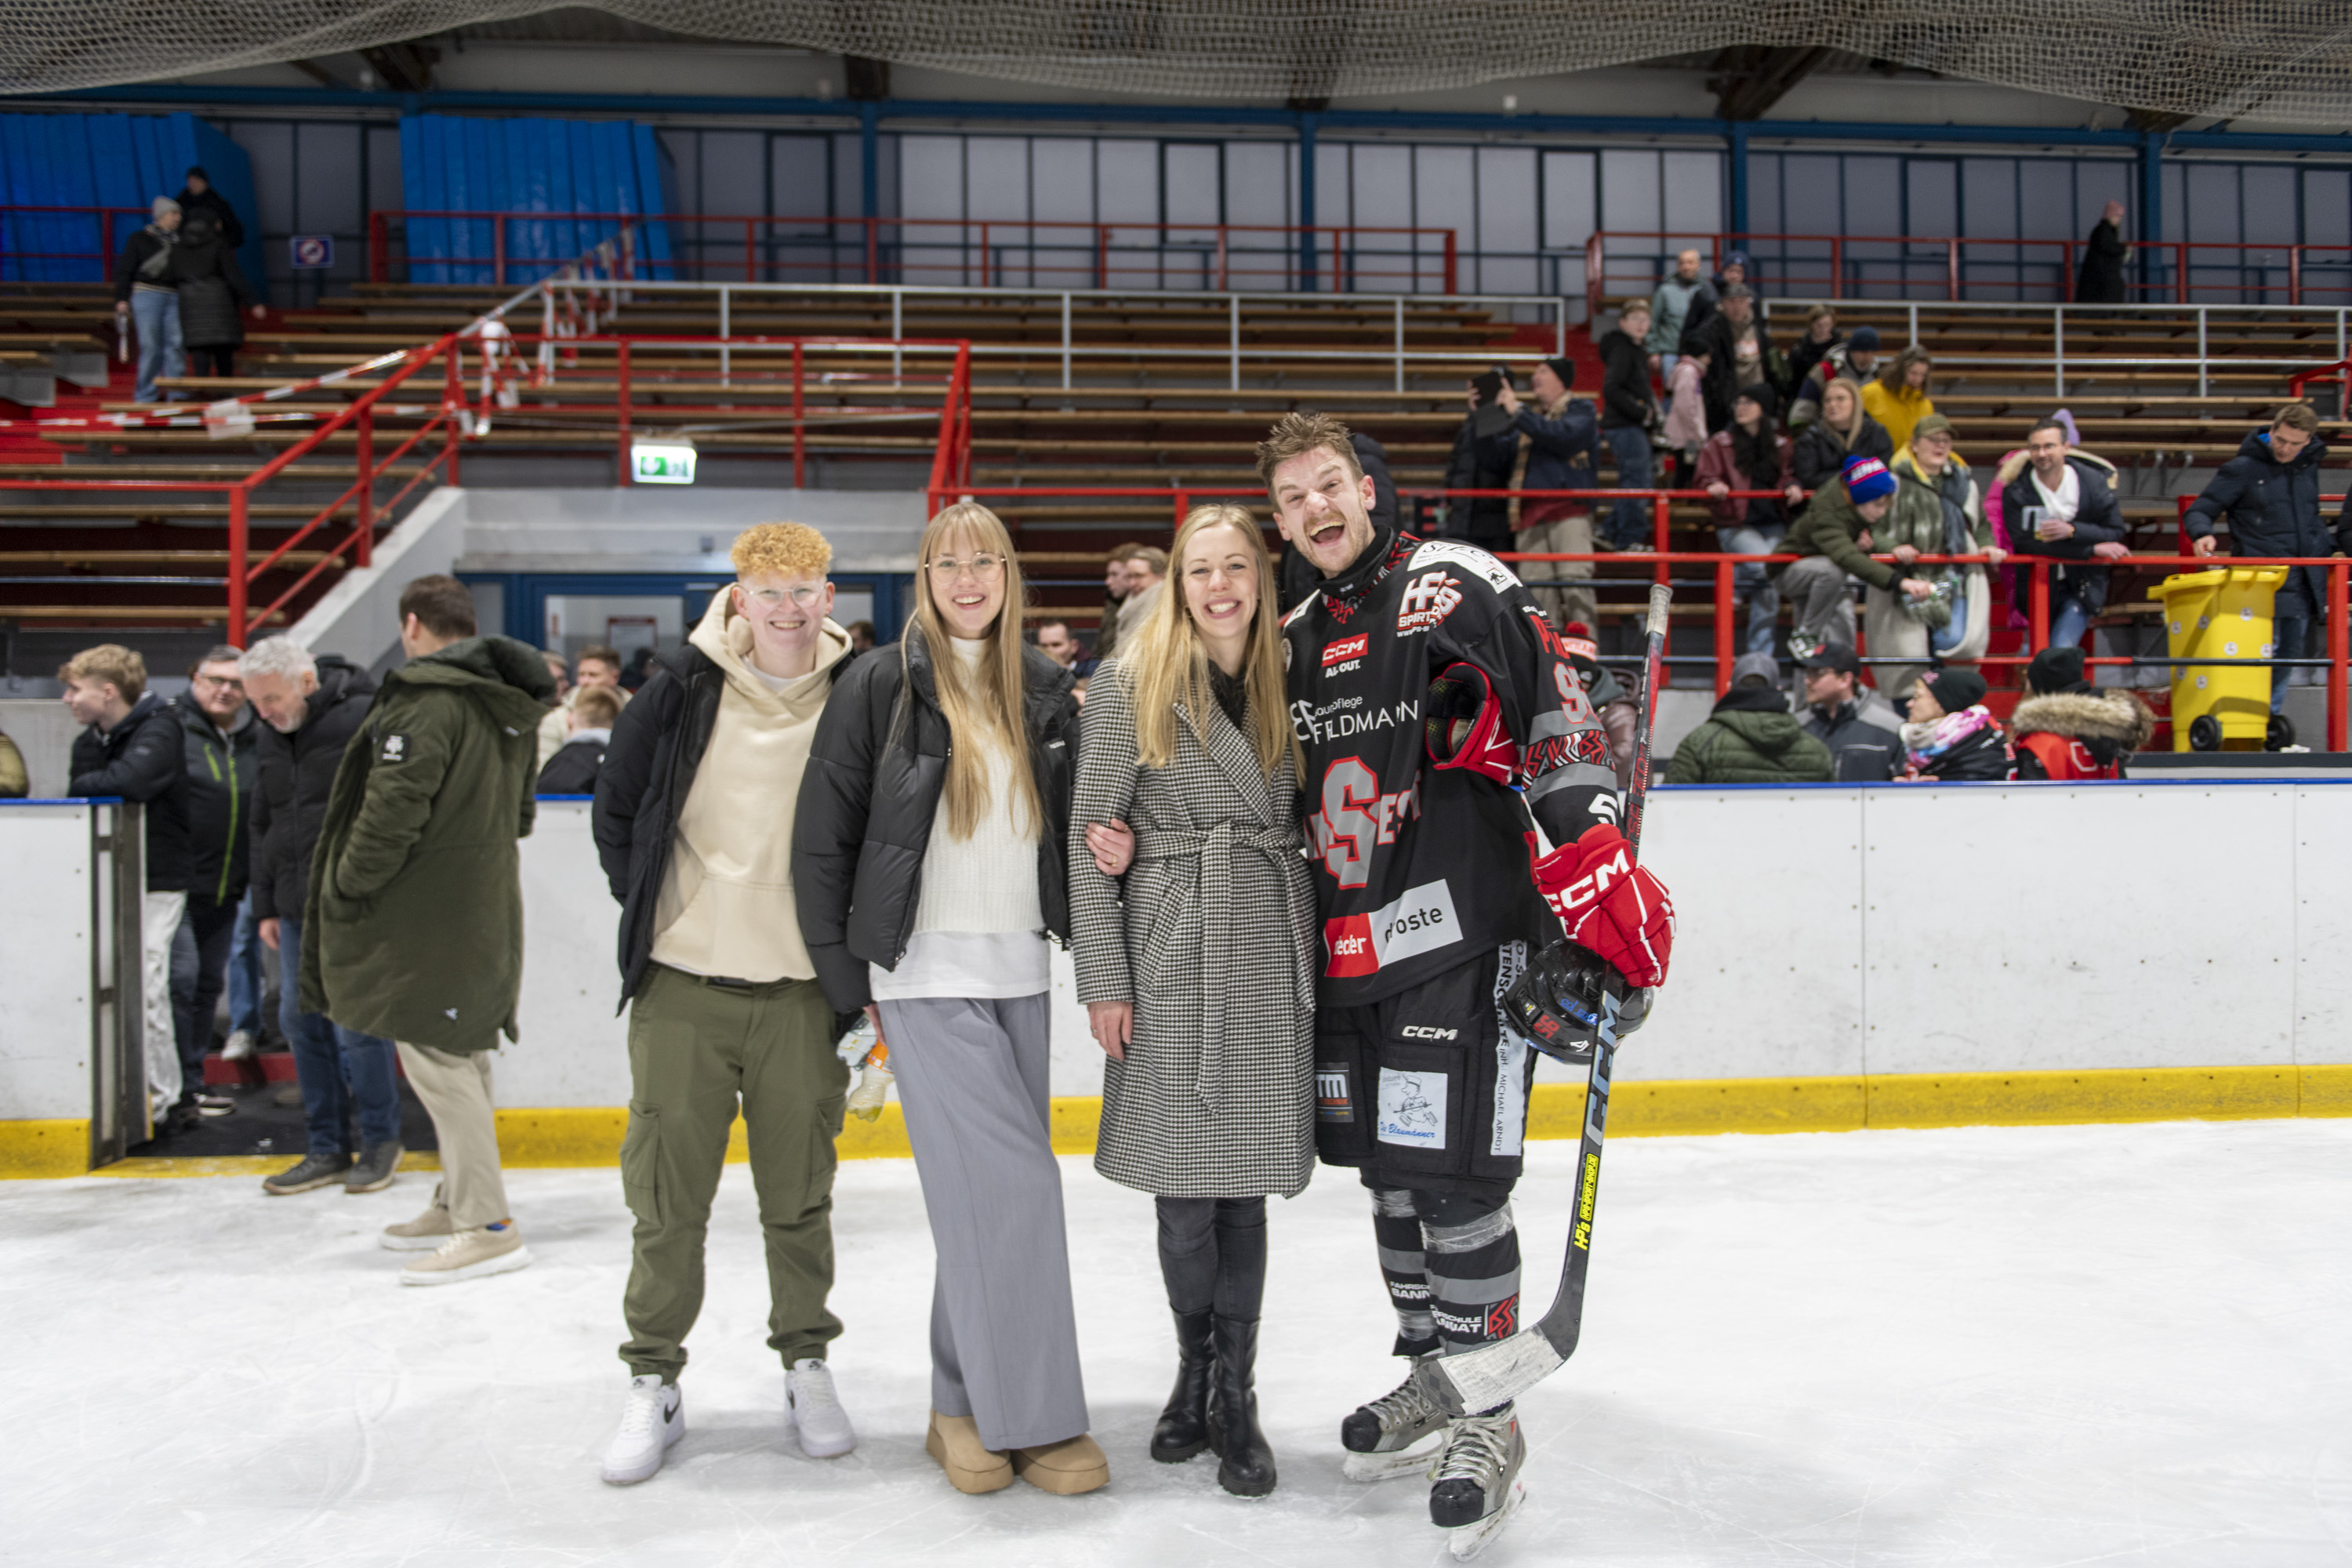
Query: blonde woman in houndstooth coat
{"type": "Point", "coordinates": [1197, 973]}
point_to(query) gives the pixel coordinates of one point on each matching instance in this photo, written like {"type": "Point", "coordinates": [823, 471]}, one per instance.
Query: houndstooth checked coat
{"type": "Point", "coordinates": [1214, 943]}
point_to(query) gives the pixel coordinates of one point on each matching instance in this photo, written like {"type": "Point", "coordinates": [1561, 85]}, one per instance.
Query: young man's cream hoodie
{"type": "Point", "coordinates": [726, 904]}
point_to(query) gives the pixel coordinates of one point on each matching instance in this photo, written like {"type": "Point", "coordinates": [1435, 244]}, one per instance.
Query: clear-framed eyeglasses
{"type": "Point", "coordinates": [805, 596]}
{"type": "Point", "coordinates": [983, 566]}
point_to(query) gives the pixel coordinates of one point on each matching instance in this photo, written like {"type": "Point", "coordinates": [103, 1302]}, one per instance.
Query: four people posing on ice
{"type": "Point", "coordinates": [1292, 929]}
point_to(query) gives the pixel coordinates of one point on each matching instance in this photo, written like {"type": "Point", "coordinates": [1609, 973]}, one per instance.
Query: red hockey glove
{"type": "Point", "coordinates": [1465, 728]}
{"type": "Point", "coordinates": [1609, 904]}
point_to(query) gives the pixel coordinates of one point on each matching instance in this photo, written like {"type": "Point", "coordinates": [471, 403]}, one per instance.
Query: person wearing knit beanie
{"type": "Point", "coordinates": [2056, 670]}
{"type": "Point", "coordinates": [1955, 688]}
{"type": "Point", "coordinates": [1866, 480]}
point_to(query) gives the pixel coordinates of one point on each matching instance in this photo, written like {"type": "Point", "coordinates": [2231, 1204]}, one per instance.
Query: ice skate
{"type": "Point", "coordinates": [653, 1419]}
{"type": "Point", "coordinates": [824, 1428]}
{"type": "Point", "coordinates": [1478, 1487]}
{"type": "Point", "coordinates": [1385, 1440]}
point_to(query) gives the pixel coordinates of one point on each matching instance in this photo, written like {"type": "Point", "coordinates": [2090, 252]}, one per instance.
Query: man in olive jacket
{"type": "Point", "coordinates": [1751, 736]}
{"type": "Point", "coordinates": [413, 925]}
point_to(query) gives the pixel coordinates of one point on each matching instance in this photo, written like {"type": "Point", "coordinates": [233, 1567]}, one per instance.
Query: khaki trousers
{"type": "Point", "coordinates": [159, 922]}
{"type": "Point", "coordinates": [1543, 527]}
{"type": "Point", "coordinates": [696, 1048]}
{"type": "Point", "coordinates": [455, 1091]}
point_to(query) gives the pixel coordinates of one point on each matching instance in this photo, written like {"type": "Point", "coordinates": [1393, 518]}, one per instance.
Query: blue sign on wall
{"type": "Point", "coordinates": [312, 250]}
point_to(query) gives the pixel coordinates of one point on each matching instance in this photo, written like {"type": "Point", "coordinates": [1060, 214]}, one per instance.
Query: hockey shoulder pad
{"type": "Point", "coordinates": [1465, 725]}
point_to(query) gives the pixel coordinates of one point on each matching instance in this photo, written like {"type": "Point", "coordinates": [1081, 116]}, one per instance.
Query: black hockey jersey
{"type": "Point", "coordinates": [1417, 867]}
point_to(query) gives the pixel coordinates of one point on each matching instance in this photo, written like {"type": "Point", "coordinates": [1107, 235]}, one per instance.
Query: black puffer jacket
{"type": "Point", "coordinates": [876, 771]}
{"type": "Point", "coordinates": [213, 294]}
{"type": "Point", "coordinates": [1819, 453]}
{"type": "Point", "coordinates": [2274, 509]}
{"type": "Point", "coordinates": [142, 761]}
{"type": "Point", "coordinates": [649, 764]}
{"type": "Point", "coordinates": [220, 793]}
{"type": "Point", "coordinates": [295, 773]}
{"type": "Point", "coordinates": [2098, 520]}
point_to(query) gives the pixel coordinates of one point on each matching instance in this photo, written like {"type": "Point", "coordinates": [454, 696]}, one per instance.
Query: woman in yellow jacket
{"type": "Point", "coordinates": [1898, 399]}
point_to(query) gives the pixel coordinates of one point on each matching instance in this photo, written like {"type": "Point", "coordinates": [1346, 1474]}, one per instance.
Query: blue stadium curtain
{"type": "Point", "coordinates": [565, 168]}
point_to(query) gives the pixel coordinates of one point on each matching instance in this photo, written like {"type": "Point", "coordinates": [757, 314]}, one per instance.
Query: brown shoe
{"type": "Point", "coordinates": [1072, 1466]}
{"type": "Point", "coordinates": [972, 1466]}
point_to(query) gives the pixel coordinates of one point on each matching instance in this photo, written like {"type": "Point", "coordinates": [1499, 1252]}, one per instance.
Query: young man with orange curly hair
{"type": "Point", "coordinates": [694, 825]}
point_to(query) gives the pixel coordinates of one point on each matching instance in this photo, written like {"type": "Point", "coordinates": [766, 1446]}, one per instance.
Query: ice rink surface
{"type": "Point", "coordinates": [2019, 1346]}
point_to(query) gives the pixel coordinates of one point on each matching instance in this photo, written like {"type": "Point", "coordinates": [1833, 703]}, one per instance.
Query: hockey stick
{"type": "Point", "coordinates": [1496, 1373]}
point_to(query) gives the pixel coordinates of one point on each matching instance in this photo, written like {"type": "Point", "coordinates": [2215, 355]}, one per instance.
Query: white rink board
{"type": "Point", "coordinates": [45, 956]}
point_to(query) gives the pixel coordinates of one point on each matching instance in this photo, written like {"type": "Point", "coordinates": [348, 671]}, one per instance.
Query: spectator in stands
{"type": "Point", "coordinates": [213, 293]}
{"type": "Point", "coordinates": [598, 666]}
{"type": "Point", "coordinates": [147, 293]}
{"type": "Point", "coordinates": [1054, 641]}
{"type": "Point", "coordinates": [1608, 692]}
{"type": "Point", "coordinates": [1752, 455]}
{"type": "Point", "coordinates": [1740, 354]}
{"type": "Point", "coordinates": [131, 749]}
{"type": "Point", "coordinates": [1681, 302]}
{"type": "Point", "coordinates": [1147, 570]}
{"type": "Point", "coordinates": [1560, 432]}
{"type": "Point", "coordinates": [1737, 269]}
{"type": "Point", "coordinates": [197, 196]}
{"type": "Point", "coordinates": [1751, 736]}
{"type": "Point", "coordinates": [15, 784]}
{"type": "Point", "coordinates": [2057, 502]}
{"type": "Point", "coordinates": [2101, 281]}
{"type": "Point", "coordinates": [929, 862]}
{"type": "Point", "coordinates": [1938, 511]}
{"type": "Point", "coordinates": [1486, 451]}
{"type": "Point", "coordinates": [573, 768]}
{"type": "Point", "coordinates": [558, 672]}
{"type": "Point", "coordinates": [1861, 729]}
{"type": "Point", "coordinates": [2068, 729]}
{"type": "Point", "coordinates": [1628, 413]}
{"type": "Point", "coordinates": [1685, 426]}
{"type": "Point", "coordinates": [641, 664]}
{"type": "Point", "coordinates": [1128, 576]}
{"type": "Point", "coordinates": [2270, 492]}
{"type": "Point", "coordinates": [1821, 337]}
{"type": "Point", "coordinates": [1843, 430]}
{"type": "Point", "coordinates": [862, 638]}
{"type": "Point", "coordinates": [694, 823]}
{"type": "Point", "coordinates": [1832, 539]}
{"type": "Point", "coordinates": [218, 746]}
{"type": "Point", "coordinates": [312, 708]}
{"type": "Point", "coordinates": [413, 928]}
{"type": "Point", "coordinates": [1897, 397]}
{"type": "Point", "coordinates": [1854, 360]}
{"type": "Point", "coordinates": [1952, 737]}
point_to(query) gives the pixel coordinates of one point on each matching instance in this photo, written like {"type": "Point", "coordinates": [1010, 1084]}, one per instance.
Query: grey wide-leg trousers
{"type": "Point", "coordinates": [1004, 1337]}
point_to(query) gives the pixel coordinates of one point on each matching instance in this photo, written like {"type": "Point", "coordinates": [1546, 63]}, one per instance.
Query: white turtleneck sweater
{"type": "Point", "coordinates": [978, 927]}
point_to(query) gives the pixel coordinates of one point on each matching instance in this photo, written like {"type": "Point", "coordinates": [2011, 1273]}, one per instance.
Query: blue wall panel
{"type": "Point", "coordinates": [103, 161]}
{"type": "Point", "coordinates": [458, 163]}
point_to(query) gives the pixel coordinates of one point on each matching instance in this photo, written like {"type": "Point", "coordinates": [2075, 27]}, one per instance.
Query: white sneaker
{"type": "Point", "coordinates": [824, 1428]}
{"type": "Point", "coordinates": [240, 1047]}
{"type": "Point", "coordinates": [653, 1419]}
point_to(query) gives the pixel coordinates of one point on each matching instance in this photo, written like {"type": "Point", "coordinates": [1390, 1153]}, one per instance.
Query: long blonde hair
{"type": "Point", "coordinates": [986, 711]}
{"type": "Point", "coordinates": [1169, 664]}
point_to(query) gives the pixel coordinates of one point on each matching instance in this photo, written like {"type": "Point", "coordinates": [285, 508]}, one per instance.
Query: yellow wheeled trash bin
{"type": "Point", "coordinates": [2223, 614]}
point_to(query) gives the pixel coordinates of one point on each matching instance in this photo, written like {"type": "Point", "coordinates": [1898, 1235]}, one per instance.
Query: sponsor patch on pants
{"type": "Point", "coordinates": [1334, 1098]}
{"type": "Point", "coordinates": [1413, 1109]}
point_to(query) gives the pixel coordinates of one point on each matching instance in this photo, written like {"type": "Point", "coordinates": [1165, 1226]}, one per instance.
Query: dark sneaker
{"type": "Point", "coordinates": [376, 1168]}
{"type": "Point", "coordinates": [214, 1102]}
{"type": "Point", "coordinates": [315, 1171]}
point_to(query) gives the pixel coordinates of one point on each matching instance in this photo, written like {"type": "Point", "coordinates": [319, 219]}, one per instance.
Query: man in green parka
{"type": "Point", "coordinates": [412, 928]}
{"type": "Point", "coordinates": [1751, 736]}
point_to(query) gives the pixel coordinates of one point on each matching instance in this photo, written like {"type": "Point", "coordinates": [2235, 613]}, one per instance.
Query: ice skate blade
{"type": "Point", "coordinates": [1418, 1461]}
{"type": "Point", "coordinates": [1471, 1538]}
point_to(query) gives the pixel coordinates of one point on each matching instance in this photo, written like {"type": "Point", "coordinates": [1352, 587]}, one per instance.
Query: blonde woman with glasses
{"type": "Point", "coordinates": [928, 870]}
{"type": "Point", "coordinates": [1197, 974]}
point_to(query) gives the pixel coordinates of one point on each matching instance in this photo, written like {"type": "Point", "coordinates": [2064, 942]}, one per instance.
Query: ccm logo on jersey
{"type": "Point", "coordinates": [1427, 1032]}
{"type": "Point", "coordinates": [1421, 921]}
{"type": "Point", "coordinates": [1345, 654]}
{"type": "Point", "coordinates": [1428, 599]}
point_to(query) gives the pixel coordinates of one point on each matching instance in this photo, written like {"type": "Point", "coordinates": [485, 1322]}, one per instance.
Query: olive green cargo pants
{"type": "Point", "coordinates": [695, 1047]}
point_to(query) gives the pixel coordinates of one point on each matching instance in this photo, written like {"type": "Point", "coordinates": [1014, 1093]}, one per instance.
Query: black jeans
{"type": "Point", "coordinates": [199, 972]}
{"type": "Point", "coordinates": [212, 361]}
{"type": "Point", "coordinates": [1213, 1255]}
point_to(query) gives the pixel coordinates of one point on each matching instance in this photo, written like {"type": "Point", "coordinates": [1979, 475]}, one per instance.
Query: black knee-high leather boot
{"type": "Point", "coordinates": [1248, 1462]}
{"type": "Point", "coordinates": [1183, 1427]}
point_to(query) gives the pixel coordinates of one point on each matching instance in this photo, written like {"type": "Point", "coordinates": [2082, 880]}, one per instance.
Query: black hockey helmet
{"type": "Point", "coordinates": [1559, 1001]}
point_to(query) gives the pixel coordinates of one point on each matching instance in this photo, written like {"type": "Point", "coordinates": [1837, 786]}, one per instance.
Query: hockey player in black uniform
{"type": "Point", "coordinates": [1434, 895]}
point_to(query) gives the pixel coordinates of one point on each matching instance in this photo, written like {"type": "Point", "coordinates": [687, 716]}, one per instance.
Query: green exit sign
{"type": "Point", "coordinates": [662, 462]}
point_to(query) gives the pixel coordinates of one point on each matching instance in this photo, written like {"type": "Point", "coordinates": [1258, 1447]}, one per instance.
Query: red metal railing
{"type": "Point", "coordinates": [30, 238]}
{"type": "Point", "coordinates": [982, 251]}
{"type": "Point", "coordinates": [1839, 261]}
